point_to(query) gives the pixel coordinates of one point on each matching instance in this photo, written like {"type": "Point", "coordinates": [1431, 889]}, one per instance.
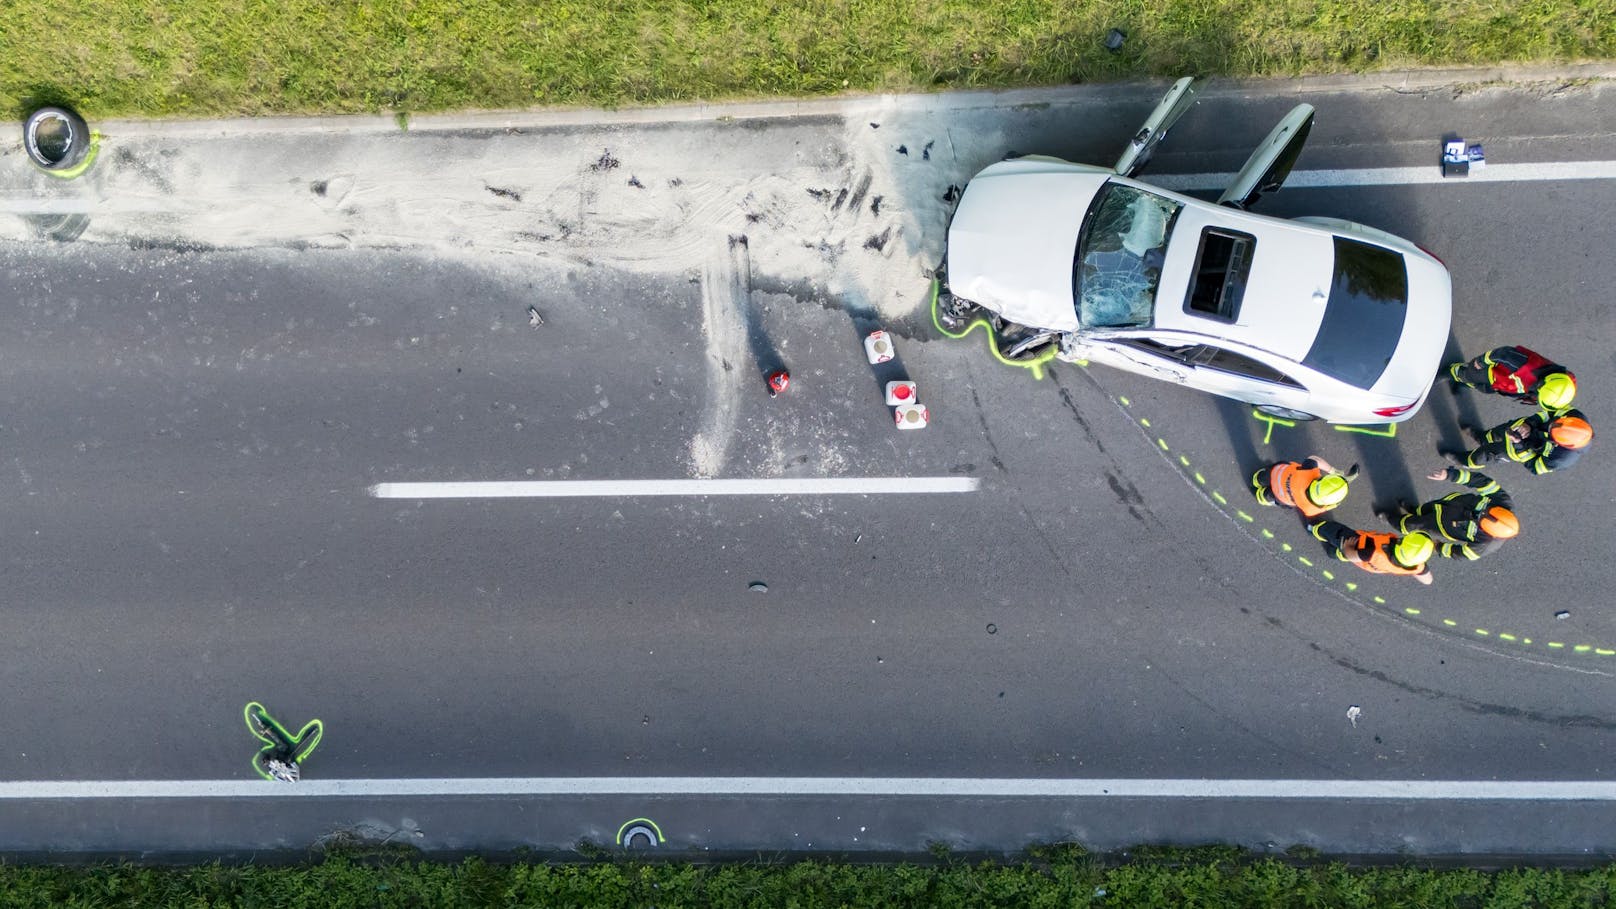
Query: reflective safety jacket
{"type": "Point", "coordinates": [1458, 515]}
{"type": "Point", "coordinates": [1290, 481]}
{"type": "Point", "coordinates": [1375, 551]}
{"type": "Point", "coordinates": [1518, 372]}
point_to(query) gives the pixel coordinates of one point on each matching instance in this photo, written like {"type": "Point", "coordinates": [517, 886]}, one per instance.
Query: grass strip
{"type": "Point", "coordinates": [1064, 877]}
{"type": "Point", "coordinates": [249, 57]}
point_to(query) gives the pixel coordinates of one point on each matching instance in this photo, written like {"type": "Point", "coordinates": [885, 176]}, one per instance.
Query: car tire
{"type": "Point", "coordinates": [1285, 413]}
{"type": "Point", "coordinates": [56, 138]}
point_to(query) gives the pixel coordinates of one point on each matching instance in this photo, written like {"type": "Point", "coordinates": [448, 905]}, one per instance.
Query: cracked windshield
{"type": "Point", "coordinates": [1120, 257]}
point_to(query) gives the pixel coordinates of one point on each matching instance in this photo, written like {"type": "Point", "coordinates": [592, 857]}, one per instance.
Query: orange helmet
{"type": "Point", "coordinates": [1499, 523]}
{"type": "Point", "coordinates": [1571, 432]}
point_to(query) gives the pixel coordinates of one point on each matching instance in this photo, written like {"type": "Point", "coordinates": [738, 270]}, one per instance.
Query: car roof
{"type": "Point", "coordinates": [1292, 267]}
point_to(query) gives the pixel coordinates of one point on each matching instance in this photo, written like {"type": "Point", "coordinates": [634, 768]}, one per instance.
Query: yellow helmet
{"type": "Point", "coordinates": [1414, 549]}
{"type": "Point", "coordinates": [1328, 491]}
{"type": "Point", "coordinates": [1557, 390]}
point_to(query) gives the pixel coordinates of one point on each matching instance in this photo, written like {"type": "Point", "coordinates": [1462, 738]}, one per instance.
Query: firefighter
{"type": "Point", "coordinates": [1378, 553]}
{"type": "Point", "coordinates": [1544, 442]}
{"type": "Point", "coordinates": [1312, 486]}
{"type": "Point", "coordinates": [1468, 524]}
{"type": "Point", "coordinates": [1519, 373]}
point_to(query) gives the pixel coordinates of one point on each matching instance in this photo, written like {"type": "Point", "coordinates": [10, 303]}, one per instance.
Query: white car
{"type": "Point", "coordinates": [1304, 318]}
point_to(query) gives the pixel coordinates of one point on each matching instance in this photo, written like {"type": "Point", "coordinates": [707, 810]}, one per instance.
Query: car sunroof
{"type": "Point", "coordinates": [1222, 265]}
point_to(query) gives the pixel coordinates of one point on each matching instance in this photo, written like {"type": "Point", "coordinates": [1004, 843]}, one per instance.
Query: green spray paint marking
{"type": "Point", "coordinates": [1035, 365]}
{"type": "Point", "coordinates": [78, 169]}
{"type": "Point", "coordinates": [640, 820]}
{"type": "Point", "coordinates": [269, 730]}
{"type": "Point", "coordinates": [1505, 637]}
{"type": "Point", "coordinates": [1389, 431]}
{"type": "Point", "coordinates": [1271, 421]}
{"type": "Point", "coordinates": [1305, 561]}
{"type": "Point", "coordinates": [1267, 534]}
{"type": "Point", "coordinates": [1245, 517]}
{"type": "Point", "coordinates": [1219, 496]}
{"type": "Point", "coordinates": [1411, 610]}
{"type": "Point", "coordinates": [1450, 623]}
{"type": "Point", "coordinates": [1327, 575]}
{"type": "Point", "coordinates": [1351, 586]}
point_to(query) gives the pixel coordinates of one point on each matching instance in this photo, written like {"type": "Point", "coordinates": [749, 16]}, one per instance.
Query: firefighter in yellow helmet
{"type": "Point", "coordinates": [1544, 442]}
{"type": "Point", "coordinates": [1519, 373]}
{"type": "Point", "coordinates": [1465, 525]}
{"type": "Point", "coordinates": [1378, 553]}
{"type": "Point", "coordinates": [1311, 486]}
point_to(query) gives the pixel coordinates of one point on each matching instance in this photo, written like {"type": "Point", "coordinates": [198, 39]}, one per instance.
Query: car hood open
{"type": "Point", "coordinates": [1014, 237]}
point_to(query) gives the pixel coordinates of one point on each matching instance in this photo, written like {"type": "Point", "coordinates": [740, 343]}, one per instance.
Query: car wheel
{"type": "Point", "coordinates": [1285, 413]}
{"type": "Point", "coordinates": [56, 138]}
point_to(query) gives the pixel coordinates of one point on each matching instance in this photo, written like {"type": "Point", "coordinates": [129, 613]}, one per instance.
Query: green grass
{"type": "Point", "coordinates": [1061, 877]}
{"type": "Point", "coordinates": [228, 57]}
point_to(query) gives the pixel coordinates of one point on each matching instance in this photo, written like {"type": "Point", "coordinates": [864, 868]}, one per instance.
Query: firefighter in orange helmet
{"type": "Point", "coordinates": [1465, 525]}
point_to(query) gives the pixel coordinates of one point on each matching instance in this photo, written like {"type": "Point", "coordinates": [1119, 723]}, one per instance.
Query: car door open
{"type": "Point", "coordinates": [1268, 166]}
{"type": "Point", "coordinates": [1143, 144]}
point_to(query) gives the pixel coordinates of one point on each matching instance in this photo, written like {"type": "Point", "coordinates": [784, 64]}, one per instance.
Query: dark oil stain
{"type": "Point", "coordinates": [878, 242]}
{"type": "Point", "coordinates": [952, 194]}
{"type": "Point", "coordinates": [903, 149]}
{"type": "Point", "coordinates": [500, 191]}
{"type": "Point", "coordinates": [875, 205]}
{"type": "Point", "coordinates": [925, 153]}
{"type": "Point", "coordinates": [605, 162]}
{"type": "Point", "coordinates": [635, 182]}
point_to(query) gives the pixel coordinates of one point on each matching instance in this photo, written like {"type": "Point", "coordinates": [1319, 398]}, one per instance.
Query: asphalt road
{"type": "Point", "coordinates": [196, 395]}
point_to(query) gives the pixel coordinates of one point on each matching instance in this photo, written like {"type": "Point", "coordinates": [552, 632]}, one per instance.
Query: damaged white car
{"type": "Point", "coordinates": [1305, 318]}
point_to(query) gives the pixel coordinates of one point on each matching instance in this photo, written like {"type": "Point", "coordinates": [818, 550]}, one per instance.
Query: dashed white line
{"type": "Point", "coordinates": [807, 486]}
{"type": "Point", "coordinates": [1399, 176]}
{"type": "Point", "coordinates": [1351, 790]}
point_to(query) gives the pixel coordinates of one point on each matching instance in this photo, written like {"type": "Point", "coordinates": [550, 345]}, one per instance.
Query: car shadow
{"type": "Point", "coordinates": [1452, 406]}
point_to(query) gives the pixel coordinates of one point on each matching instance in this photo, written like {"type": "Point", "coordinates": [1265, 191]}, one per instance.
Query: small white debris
{"type": "Point", "coordinates": [533, 317]}
{"type": "Point", "coordinates": [1353, 713]}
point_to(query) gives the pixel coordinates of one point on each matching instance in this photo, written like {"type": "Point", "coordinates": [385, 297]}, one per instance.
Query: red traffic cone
{"type": "Point", "coordinates": [779, 381]}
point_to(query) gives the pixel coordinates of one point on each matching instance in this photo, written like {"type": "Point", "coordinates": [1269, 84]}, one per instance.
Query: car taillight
{"type": "Point", "coordinates": [1393, 411]}
{"type": "Point", "coordinates": [1431, 254]}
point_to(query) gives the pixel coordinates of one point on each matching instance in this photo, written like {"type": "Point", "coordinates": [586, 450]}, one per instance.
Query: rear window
{"type": "Point", "coordinates": [1364, 316]}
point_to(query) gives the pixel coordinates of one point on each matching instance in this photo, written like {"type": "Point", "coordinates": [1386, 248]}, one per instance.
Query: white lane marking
{"type": "Point", "coordinates": [1358, 790]}
{"type": "Point", "coordinates": [808, 486]}
{"type": "Point", "coordinates": [1398, 176]}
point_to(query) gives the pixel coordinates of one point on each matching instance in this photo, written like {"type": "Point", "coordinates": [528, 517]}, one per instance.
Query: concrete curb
{"type": "Point", "coordinates": [1405, 80]}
